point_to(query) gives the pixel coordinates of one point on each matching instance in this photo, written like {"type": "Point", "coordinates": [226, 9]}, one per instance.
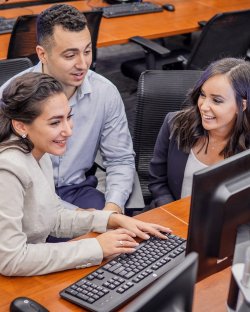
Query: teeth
{"type": "Point", "coordinates": [63, 141]}
{"type": "Point", "coordinates": [207, 117]}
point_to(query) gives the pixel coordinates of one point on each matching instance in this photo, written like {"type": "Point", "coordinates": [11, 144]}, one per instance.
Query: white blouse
{"type": "Point", "coordinates": [193, 165]}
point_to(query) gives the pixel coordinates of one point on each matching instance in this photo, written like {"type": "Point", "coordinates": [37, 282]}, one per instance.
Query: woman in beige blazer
{"type": "Point", "coordinates": [35, 120]}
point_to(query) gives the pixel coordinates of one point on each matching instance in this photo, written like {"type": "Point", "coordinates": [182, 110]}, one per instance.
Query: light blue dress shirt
{"type": "Point", "coordinates": [99, 122]}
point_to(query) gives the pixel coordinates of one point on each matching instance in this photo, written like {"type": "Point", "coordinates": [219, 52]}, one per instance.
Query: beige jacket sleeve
{"type": "Point", "coordinates": [19, 258]}
{"type": "Point", "coordinates": [23, 251]}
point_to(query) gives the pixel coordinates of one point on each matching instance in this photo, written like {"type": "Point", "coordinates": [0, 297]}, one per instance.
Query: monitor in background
{"type": "Point", "coordinates": [172, 292]}
{"type": "Point", "coordinates": [220, 202]}
{"type": "Point", "coordinates": [9, 4]}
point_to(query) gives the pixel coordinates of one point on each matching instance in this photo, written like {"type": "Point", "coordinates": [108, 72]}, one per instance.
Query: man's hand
{"type": "Point", "coordinates": [112, 207]}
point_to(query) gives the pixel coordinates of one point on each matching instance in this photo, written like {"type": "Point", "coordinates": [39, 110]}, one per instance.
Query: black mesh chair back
{"type": "Point", "coordinates": [159, 92]}
{"type": "Point", "coordinates": [9, 68]}
{"type": "Point", "coordinates": [94, 20]}
{"type": "Point", "coordinates": [225, 35]}
{"type": "Point", "coordinates": [23, 38]}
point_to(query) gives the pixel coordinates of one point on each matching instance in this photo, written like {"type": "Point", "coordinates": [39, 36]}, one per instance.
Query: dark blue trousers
{"type": "Point", "coordinates": [83, 195]}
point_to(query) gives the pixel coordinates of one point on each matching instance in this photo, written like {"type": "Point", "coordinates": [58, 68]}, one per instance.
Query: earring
{"type": "Point", "coordinates": [24, 136]}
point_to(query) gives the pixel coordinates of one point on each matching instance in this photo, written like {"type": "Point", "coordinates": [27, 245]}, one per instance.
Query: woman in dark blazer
{"type": "Point", "coordinates": [214, 126]}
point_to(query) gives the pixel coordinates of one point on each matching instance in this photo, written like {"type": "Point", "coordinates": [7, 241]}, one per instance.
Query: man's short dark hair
{"type": "Point", "coordinates": [60, 14]}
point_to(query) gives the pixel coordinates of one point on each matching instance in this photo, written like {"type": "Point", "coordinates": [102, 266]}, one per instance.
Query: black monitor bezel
{"type": "Point", "coordinates": [214, 190]}
{"type": "Point", "coordinates": [172, 292]}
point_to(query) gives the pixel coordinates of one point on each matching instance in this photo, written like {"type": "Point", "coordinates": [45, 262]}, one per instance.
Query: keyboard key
{"type": "Point", "coordinates": [6, 25]}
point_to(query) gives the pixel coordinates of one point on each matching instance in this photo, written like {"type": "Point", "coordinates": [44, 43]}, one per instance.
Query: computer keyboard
{"type": "Point", "coordinates": [113, 284]}
{"type": "Point", "coordinates": [6, 25]}
{"type": "Point", "coordinates": [130, 8]}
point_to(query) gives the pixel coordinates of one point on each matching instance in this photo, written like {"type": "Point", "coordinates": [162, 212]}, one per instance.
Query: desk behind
{"type": "Point", "coordinates": [45, 289]}
{"type": "Point", "coordinates": [119, 30]}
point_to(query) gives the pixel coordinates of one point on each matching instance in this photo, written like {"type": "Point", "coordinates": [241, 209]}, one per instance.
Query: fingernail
{"type": "Point", "coordinates": [147, 236]}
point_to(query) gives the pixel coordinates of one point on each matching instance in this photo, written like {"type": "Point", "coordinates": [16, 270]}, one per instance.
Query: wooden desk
{"type": "Point", "coordinates": [118, 30]}
{"type": "Point", "coordinates": [210, 294]}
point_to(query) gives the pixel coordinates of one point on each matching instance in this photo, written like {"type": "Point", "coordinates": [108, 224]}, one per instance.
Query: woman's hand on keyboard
{"type": "Point", "coordinates": [116, 242]}
{"type": "Point", "coordinates": [139, 228]}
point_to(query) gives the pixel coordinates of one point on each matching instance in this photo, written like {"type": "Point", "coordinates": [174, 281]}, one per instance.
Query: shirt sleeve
{"type": "Point", "coordinates": [158, 168]}
{"type": "Point", "coordinates": [117, 152]}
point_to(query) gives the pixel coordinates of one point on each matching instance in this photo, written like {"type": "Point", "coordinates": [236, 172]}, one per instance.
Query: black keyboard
{"type": "Point", "coordinates": [116, 282]}
{"type": "Point", "coordinates": [130, 8]}
{"type": "Point", "coordinates": [6, 25]}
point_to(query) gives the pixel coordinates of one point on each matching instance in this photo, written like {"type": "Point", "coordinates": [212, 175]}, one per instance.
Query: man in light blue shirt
{"type": "Point", "coordinates": [99, 119]}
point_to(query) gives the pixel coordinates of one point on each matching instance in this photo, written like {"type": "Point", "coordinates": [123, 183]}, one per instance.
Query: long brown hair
{"type": "Point", "coordinates": [187, 126]}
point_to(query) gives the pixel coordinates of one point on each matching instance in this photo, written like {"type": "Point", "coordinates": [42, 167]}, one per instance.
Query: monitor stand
{"type": "Point", "coordinates": [239, 296]}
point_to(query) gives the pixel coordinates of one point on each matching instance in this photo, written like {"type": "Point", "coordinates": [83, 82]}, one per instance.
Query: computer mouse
{"type": "Point", "coordinates": [24, 304]}
{"type": "Point", "coordinates": [169, 7]}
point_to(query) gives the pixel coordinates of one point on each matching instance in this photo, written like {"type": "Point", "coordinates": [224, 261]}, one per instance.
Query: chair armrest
{"type": "Point", "coordinates": [202, 23]}
{"type": "Point", "coordinates": [135, 201]}
{"type": "Point", "coordinates": [150, 46]}
{"type": "Point", "coordinates": [248, 55]}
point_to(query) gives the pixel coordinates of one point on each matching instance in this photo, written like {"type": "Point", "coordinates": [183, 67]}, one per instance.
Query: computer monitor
{"type": "Point", "coordinates": [9, 4]}
{"type": "Point", "coordinates": [172, 292]}
{"type": "Point", "coordinates": [220, 202]}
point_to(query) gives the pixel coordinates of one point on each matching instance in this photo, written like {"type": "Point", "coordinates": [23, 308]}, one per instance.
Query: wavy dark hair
{"type": "Point", "coordinates": [187, 126]}
{"type": "Point", "coordinates": [59, 14]}
{"type": "Point", "coordinates": [22, 100]}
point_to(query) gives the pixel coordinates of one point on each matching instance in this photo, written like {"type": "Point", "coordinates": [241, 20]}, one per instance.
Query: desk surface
{"type": "Point", "coordinates": [210, 293]}
{"type": "Point", "coordinates": [118, 30]}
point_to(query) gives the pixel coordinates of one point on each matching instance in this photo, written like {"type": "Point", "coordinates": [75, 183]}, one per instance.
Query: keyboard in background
{"type": "Point", "coordinates": [119, 280]}
{"type": "Point", "coordinates": [6, 25]}
{"type": "Point", "coordinates": [130, 8]}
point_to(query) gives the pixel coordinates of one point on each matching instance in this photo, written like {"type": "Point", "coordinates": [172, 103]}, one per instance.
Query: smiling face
{"type": "Point", "coordinates": [51, 129]}
{"type": "Point", "coordinates": [67, 57]}
{"type": "Point", "coordinates": [217, 105]}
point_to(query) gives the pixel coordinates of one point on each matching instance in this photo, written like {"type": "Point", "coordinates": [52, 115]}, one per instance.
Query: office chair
{"type": "Point", "coordinates": [159, 92]}
{"type": "Point", "coordinates": [9, 68]}
{"type": "Point", "coordinates": [23, 39]}
{"type": "Point", "coordinates": [224, 35]}
{"type": "Point", "coordinates": [94, 20]}
{"type": "Point", "coordinates": [173, 292]}
{"type": "Point", "coordinates": [135, 201]}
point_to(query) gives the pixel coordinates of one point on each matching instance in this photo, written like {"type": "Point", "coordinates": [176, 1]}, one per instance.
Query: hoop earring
{"type": "Point", "coordinates": [24, 136]}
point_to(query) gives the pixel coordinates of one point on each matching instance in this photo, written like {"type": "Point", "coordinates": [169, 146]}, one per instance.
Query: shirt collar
{"type": "Point", "coordinates": [85, 87]}
{"type": "Point", "coordinates": [38, 67]}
